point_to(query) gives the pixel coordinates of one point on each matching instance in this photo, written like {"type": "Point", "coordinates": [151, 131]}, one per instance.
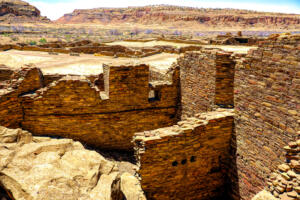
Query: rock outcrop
{"type": "Point", "coordinates": [174, 15]}
{"type": "Point", "coordinates": [36, 168]}
{"type": "Point", "coordinates": [19, 11]}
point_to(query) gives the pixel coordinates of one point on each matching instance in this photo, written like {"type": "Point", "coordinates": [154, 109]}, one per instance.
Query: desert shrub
{"type": "Point", "coordinates": [32, 42]}
{"type": "Point", "coordinates": [148, 31]}
{"type": "Point", "coordinates": [14, 38]}
{"type": "Point", "coordinates": [177, 32]}
{"type": "Point", "coordinates": [68, 37]}
{"type": "Point", "coordinates": [43, 41]}
{"type": "Point", "coordinates": [114, 32]}
{"type": "Point", "coordinates": [135, 31]}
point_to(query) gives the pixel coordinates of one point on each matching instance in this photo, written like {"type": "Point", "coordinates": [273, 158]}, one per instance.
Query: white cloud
{"type": "Point", "coordinates": [56, 10]}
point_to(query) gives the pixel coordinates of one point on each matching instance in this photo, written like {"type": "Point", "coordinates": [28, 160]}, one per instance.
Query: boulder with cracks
{"type": "Point", "coordinates": [42, 168]}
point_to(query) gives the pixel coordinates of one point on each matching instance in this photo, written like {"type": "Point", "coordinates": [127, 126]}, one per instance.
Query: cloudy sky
{"type": "Point", "coordinates": [54, 9]}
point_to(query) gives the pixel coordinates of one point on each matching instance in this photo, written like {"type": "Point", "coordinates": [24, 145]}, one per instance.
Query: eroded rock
{"type": "Point", "coordinates": [36, 168]}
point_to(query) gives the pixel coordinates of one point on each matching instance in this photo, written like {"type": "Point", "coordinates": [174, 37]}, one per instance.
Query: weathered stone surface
{"type": "Point", "coordinates": [285, 181]}
{"type": "Point", "coordinates": [264, 195]}
{"type": "Point", "coordinates": [22, 81]}
{"type": "Point", "coordinates": [191, 155]}
{"type": "Point", "coordinates": [266, 98]}
{"type": "Point", "coordinates": [19, 11]}
{"type": "Point", "coordinates": [75, 107]}
{"type": "Point", "coordinates": [5, 73]}
{"type": "Point", "coordinates": [206, 79]}
{"type": "Point", "coordinates": [54, 169]}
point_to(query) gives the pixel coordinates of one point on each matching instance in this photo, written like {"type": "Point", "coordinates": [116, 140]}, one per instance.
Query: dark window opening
{"type": "Point", "coordinates": [214, 170]}
{"type": "Point", "coordinates": [175, 163]}
{"type": "Point", "coordinates": [193, 158]}
{"type": "Point", "coordinates": [242, 40]}
{"type": "Point", "coordinates": [154, 95]}
{"type": "Point", "coordinates": [183, 162]}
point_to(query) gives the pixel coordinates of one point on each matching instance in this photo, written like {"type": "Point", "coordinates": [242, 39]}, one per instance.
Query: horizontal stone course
{"type": "Point", "coordinates": [267, 97]}
{"type": "Point", "coordinates": [105, 114]}
{"type": "Point", "coordinates": [187, 160]}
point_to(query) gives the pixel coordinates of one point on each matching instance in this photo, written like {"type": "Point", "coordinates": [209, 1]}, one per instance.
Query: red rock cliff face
{"type": "Point", "coordinates": [172, 15]}
{"type": "Point", "coordinates": [19, 11]}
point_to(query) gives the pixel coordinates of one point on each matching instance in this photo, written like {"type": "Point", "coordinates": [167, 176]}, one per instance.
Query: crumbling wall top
{"type": "Point", "coordinates": [187, 125]}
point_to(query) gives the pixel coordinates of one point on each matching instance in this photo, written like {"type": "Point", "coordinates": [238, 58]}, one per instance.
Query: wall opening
{"type": "Point", "coordinates": [154, 95]}
{"type": "Point", "coordinates": [174, 164]}
{"type": "Point", "coordinates": [193, 159]}
{"type": "Point", "coordinates": [242, 40]}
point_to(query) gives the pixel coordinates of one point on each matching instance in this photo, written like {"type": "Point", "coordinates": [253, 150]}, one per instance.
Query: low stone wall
{"type": "Point", "coordinates": [267, 103]}
{"type": "Point", "coordinates": [5, 73]}
{"type": "Point", "coordinates": [188, 160]}
{"type": "Point", "coordinates": [104, 113]}
{"type": "Point", "coordinates": [21, 82]}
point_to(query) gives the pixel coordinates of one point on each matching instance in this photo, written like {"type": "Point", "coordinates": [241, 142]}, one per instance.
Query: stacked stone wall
{"type": "Point", "coordinates": [5, 73]}
{"type": "Point", "coordinates": [225, 67]}
{"type": "Point", "coordinates": [188, 160]}
{"type": "Point", "coordinates": [197, 76]}
{"type": "Point", "coordinates": [207, 80]}
{"type": "Point", "coordinates": [75, 107]}
{"type": "Point", "coordinates": [21, 82]}
{"type": "Point", "coordinates": [267, 103]}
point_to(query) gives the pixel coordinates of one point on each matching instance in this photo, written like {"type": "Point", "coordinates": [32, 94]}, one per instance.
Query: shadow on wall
{"type": "Point", "coordinates": [3, 194]}
{"type": "Point", "coordinates": [232, 186]}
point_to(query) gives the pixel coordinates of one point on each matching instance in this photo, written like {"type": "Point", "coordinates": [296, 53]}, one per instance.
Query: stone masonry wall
{"type": "Point", "coordinates": [188, 160]}
{"type": "Point", "coordinates": [75, 107]}
{"type": "Point", "coordinates": [197, 78]}
{"type": "Point", "coordinates": [21, 82]}
{"type": "Point", "coordinates": [267, 103]}
{"type": "Point", "coordinates": [225, 67]}
{"type": "Point", "coordinates": [207, 80]}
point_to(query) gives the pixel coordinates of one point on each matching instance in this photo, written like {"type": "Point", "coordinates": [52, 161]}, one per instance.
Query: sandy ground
{"type": "Point", "coordinates": [232, 48]}
{"type": "Point", "coordinates": [83, 65]}
{"type": "Point", "coordinates": [149, 44]}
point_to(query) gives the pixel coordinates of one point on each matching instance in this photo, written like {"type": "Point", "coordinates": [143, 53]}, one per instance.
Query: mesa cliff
{"type": "Point", "coordinates": [181, 16]}
{"type": "Point", "coordinates": [19, 11]}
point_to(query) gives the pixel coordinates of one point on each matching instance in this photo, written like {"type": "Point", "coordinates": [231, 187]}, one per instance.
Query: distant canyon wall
{"type": "Point", "coordinates": [182, 16]}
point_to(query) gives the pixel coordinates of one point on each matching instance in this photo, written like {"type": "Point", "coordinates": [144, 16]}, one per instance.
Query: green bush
{"type": "Point", "coordinates": [32, 43]}
{"type": "Point", "coordinates": [43, 41]}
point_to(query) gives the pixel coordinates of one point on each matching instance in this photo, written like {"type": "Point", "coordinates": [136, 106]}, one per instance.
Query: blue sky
{"type": "Point", "coordinates": [57, 8]}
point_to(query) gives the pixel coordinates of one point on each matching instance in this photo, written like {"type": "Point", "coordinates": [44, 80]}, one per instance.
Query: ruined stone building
{"type": "Point", "coordinates": [215, 128]}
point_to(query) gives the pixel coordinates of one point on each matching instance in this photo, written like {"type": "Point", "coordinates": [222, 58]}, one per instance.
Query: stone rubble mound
{"type": "Point", "coordinates": [285, 182]}
{"type": "Point", "coordinates": [42, 168]}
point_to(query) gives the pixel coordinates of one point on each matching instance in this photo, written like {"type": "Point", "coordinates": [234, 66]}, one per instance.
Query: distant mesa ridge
{"type": "Point", "coordinates": [176, 15]}
{"type": "Point", "coordinates": [19, 11]}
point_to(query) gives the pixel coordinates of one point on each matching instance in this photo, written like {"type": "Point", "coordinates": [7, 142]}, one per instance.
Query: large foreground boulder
{"type": "Point", "coordinates": [42, 168]}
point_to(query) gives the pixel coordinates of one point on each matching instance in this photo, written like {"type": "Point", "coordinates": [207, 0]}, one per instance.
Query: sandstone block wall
{"type": "Point", "coordinates": [197, 75]}
{"type": "Point", "coordinates": [105, 116]}
{"type": "Point", "coordinates": [225, 67]}
{"type": "Point", "coordinates": [284, 182]}
{"type": "Point", "coordinates": [21, 82]}
{"type": "Point", "coordinates": [5, 73]}
{"type": "Point", "coordinates": [267, 103]}
{"type": "Point", "coordinates": [207, 80]}
{"type": "Point", "coordinates": [188, 160]}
